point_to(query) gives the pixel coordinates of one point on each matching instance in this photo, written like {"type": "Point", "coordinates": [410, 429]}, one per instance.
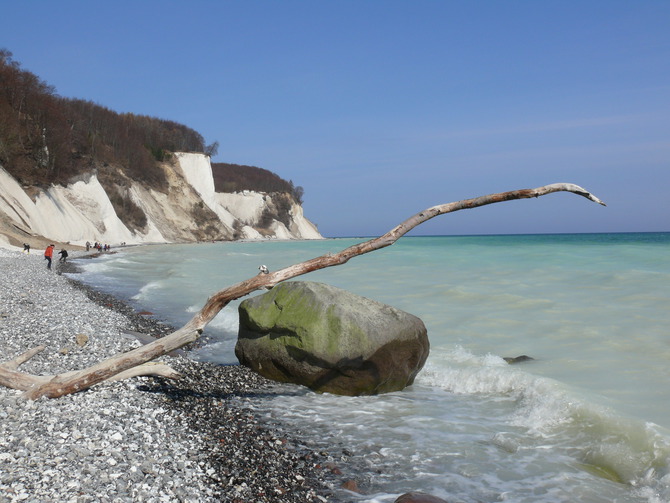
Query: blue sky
{"type": "Point", "coordinates": [380, 109]}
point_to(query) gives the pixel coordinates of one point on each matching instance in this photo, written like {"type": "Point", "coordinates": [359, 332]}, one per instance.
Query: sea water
{"type": "Point", "coordinates": [587, 419]}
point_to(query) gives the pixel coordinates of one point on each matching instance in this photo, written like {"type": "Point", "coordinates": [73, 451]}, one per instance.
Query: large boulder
{"type": "Point", "coordinates": [330, 340]}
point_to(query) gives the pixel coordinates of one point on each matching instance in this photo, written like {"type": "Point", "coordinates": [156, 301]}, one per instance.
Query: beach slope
{"type": "Point", "coordinates": [144, 439]}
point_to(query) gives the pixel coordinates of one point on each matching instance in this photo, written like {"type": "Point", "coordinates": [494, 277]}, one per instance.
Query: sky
{"type": "Point", "coordinates": [381, 109]}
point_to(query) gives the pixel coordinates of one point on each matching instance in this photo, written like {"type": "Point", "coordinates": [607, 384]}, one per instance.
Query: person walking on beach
{"type": "Point", "coordinates": [63, 255]}
{"type": "Point", "coordinates": [26, 248]}
{"type": "Point", "coordinates": [48, 254]}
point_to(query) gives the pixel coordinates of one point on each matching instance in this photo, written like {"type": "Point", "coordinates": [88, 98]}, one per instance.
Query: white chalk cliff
{"type": "Point", "coordinates": [82, 211]}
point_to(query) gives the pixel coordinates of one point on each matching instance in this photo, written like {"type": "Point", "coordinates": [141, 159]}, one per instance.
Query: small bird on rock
{"type": "Point", "coordinates": [263, 269]}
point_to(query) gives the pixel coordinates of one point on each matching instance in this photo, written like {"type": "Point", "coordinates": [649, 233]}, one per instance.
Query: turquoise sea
{"type": "Point", "coordinates": [587, 420]}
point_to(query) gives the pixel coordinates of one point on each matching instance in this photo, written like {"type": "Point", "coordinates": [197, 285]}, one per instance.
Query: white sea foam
{"type": "Point", "coordinates": [227, 321]}
{"type": "Point", "coordinates": [145, 291]}
{"type": "Point", "coordinates": [93, 267]}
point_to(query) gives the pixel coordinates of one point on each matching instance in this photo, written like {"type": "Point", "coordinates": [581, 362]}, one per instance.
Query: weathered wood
{"type": "Point", "coordinates": [147, 369]}
{"type": "Point", "coordinates": [11, 378]}
{"type": "Point", "coordinates": [22, 358]}
{"type": "Point", "coordinates": [20, 380]}
{"type": "Point", "coordinates": [71, 382]}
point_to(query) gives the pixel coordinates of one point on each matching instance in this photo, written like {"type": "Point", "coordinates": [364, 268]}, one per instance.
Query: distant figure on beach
{"type": "Point", "coordinates": [48, 254]}
{"type": "Point", "coordinates": [63, 255]}
{"type": "Point", "coordinates": [26, 248]}
{"type": "Point", "coordinates": [88, 245]}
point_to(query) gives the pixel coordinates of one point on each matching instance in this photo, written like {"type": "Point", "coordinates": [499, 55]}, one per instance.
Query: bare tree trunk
{"type": "Point", "coordinates": [129, 363]}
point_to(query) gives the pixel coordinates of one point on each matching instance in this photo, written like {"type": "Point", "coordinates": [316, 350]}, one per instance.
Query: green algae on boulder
{"type": "Point", "coordinates": [330, 340]}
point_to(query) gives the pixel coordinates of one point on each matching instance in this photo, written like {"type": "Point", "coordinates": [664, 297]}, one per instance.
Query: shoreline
{"type": "Point", "coordinates": [146, 439]}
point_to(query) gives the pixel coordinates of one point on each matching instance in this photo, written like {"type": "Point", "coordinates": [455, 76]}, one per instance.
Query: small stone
{"type": "Point", "coordinates": [147, 468]}
{"type": "Point", "coordinates": [351, 485]}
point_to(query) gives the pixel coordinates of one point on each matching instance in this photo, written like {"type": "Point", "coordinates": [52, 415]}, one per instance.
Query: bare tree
{"type": "Point", "coordinates": [133, 362]}
{"type": "Point", "coordinates": [212, 149]}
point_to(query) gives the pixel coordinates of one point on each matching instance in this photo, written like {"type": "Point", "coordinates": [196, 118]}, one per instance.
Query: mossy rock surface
{"type": "Point", "coordinates": [330, 340]}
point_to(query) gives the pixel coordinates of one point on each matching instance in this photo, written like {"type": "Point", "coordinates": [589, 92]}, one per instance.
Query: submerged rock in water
{"type": "Point", "coordinates": [330, 340]}
{"type": "Point", "coordinates": [517, 359]}
{"type": "Point", "coordinates": [418, 497]}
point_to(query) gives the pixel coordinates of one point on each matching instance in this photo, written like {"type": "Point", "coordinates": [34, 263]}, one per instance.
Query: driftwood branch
{"type": "Point", "coordinates": [11, 378]}
{"type": "Point", "coordinates": [71, 382]}
{"type": "Point", "coordinates": [22, 358]}
{"type": "Point", "coordinates": [147, 369]}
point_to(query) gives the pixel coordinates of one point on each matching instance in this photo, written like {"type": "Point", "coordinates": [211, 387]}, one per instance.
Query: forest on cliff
{"type": "Point", "coordinates": [47, 139]}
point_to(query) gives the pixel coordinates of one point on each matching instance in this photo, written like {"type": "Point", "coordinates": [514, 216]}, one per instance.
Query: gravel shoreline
{"type": "Point", "coordinates": [144, 439]}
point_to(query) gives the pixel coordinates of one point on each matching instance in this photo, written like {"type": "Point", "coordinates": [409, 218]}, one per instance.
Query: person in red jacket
{"type": "Point", "coordinates": [48, 254]}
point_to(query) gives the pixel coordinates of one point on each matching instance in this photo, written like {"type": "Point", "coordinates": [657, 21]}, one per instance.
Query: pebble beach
{"type": "Point", "coordinates": [144, 439]}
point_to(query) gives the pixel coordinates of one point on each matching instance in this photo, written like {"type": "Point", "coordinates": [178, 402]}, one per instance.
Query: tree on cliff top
{"type": "Point", "coordinates": [46, 139]}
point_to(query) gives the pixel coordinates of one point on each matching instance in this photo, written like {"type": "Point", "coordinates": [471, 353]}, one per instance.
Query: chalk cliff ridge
{"type": "Point", "coordinates": [188, 210]}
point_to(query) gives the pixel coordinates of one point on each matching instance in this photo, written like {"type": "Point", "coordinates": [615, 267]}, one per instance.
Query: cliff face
{"type": "Point", "coordinates": [189, 210]}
